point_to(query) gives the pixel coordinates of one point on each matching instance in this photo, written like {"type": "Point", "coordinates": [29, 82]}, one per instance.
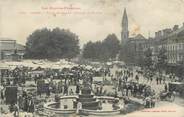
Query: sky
{"type": "Point", "coordinates": [91, 20]}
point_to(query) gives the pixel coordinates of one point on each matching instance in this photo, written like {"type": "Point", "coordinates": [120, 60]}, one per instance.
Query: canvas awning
{"type": "Point", "coordinates": [3, 66]}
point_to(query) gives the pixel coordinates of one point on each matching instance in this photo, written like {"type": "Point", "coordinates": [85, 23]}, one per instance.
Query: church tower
{"type": "Point", "coordinates": [125, 32]}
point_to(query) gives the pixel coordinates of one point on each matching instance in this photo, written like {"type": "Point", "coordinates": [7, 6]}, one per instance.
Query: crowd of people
{"type": "Point", "coordinates": [46, 81]}
{"type": "Point", "coordinates": [129, 85]}
{"type": "Point", "coordinates": [53, 81]}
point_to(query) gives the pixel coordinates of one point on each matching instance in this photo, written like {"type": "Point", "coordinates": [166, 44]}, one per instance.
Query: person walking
{"type": "Point", "coordinates": [48, 91]}
{"type": "Point", "coordinates": [151, 79]}
{"type": "Point", "coordinates": [77, 89]}
{"type": "Point", "coordinates": [16, 111]}
{"type": "Point", "coordinates": [116, 94]}
{"type": "Point", "coordinates": [2, 95]}
{"type": "Point", "coordinates": [101, 89]}
{"type": "Point", "coordinates": [65, 89]}
{"type": "Point", "coordinates": [25, 104]}
{"type": "Point", "coordinates": [157, 80]}
{"type": "Point", "coordinates": [137, 78]}
{"type": "Point", "coordinates": [71, 92]}
{"type": "Point", "coordinates": [60, 86]}
{"type": "Point", "coordinates": [166, 87]}
{"type": "Point", "coordinates": [20, 102]}
{"type": "Point", "coordinates": [160, 80]}
{"type": "Point", "coordinates": [119, 84]}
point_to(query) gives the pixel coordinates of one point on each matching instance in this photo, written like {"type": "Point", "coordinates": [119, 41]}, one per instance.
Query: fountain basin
{"type": "Point", "coordinates": [86, 99]}
{"type": "Point", "coordinates": [93, 105]}
{"type": "Point", "coordinates": [48, 108]}
{"type": "Point", "coordinates": [107, 109]}
{"type": "Point", "coordinates": [86, 96]}
{"type": "Point", "coordinates": [51, 107]}
{"type": "Point", "coordinates": [99, 112]}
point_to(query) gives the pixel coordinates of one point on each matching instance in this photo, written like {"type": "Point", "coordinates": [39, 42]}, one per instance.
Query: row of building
{"type": "Point", "coordinates": [11, 50]}
{"type": "Point", "coordinates": [172, 40]}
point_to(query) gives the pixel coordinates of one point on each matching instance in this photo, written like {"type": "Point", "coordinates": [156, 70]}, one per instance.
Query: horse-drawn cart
{"type": "Point", "coordinates": [177, 87]}
{"type": "Point", "coordinates": [174, 88]}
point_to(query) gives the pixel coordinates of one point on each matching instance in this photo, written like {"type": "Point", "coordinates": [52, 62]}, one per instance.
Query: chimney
{"type": "Point", "coordinates": [176, 27]}
{"type": "Point", "coordinates": [156, 34]}
{"type": "Point", "coordinates": [159, 33]}
{"type": "Point", "coordinates": [166, 31]}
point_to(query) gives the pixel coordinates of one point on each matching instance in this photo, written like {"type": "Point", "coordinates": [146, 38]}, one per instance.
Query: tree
{"type": "Point", "coordinates": [102, 50]}
{"type": "Point", "coordinates": [92, 50]}
{"type": "Point", "coordinates": [88, 50]}
{"type": "Point", "coordinates": [57, 43]}
{"type": "Point", "coordinates": [162, 60]}
{"type": "Point", "coordinates": [111, 46]}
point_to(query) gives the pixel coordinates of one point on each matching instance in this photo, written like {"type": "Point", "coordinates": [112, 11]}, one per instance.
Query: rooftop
{"type": "Point", "coordinates": [179, 31]}
{"type": "Point", "coordinates": [3, 39]}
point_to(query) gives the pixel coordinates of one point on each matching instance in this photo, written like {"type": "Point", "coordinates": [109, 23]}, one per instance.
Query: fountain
{"type": "Point", "coordinates": [90, 104]}
{"type": "Point", "coordinates": [86, 98]}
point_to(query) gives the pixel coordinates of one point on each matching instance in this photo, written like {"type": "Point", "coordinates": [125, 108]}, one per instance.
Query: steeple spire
{"type": "Point", "coordinates": [125, 15]}
{"type": "Point", "coordinates": [125, 32]}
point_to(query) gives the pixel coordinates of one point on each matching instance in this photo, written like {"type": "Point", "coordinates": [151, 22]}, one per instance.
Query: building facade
{"type": "Point", "coordinates": [172, 40]}
{"type": "Point", "coordinates": [10, 50]}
